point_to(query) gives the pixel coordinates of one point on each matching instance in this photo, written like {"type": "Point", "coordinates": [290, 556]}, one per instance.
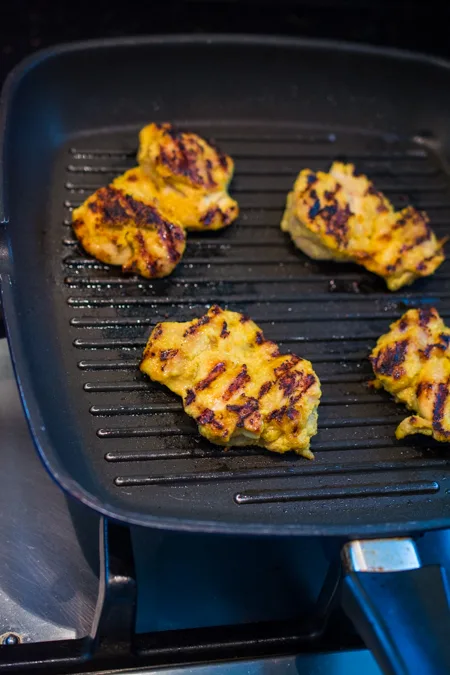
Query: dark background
{"type": "Point", "coordinates": [27, 26]}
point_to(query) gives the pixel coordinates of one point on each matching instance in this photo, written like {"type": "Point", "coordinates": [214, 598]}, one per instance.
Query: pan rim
{"type": "Point", "coordinates": [30, 402]}
{"type": "Point", "coordinates": [41, 55]}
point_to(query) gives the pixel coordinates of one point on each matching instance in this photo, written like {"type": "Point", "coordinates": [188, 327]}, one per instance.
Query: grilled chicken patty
{"type": "Point", "coordinates": [235, 383]}
{"type": "Point", "coordinates": [412, 362]}
{"type": "Point", "coordinates": [341, 216]}
{"type": "Point", "coordinates": [188, 176]}
{"type": "Point", "coordinates": [121, 225]}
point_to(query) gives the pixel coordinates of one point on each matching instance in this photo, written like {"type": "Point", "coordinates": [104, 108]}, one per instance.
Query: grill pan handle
{"type": "Point", "coordinates": [400, 608]}
{"type": "Point", "coordinates": [4, 257]}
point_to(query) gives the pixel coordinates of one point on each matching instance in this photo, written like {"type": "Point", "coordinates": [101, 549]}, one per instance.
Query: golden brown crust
{"type": "Point", "coordinates": [341, 216]}
{"type": "Point", "coordinates": [190, 177]}
{"type": "Point", "coordinates": [235, 383]}
{"type": "Point", "coordinates": [412, 362]}
{"type": "Point", "coordinates": [119, 229]}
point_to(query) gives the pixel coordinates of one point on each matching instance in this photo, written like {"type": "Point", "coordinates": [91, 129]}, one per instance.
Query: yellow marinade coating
{"type": "Point", "coordinates": [412, 362]}
{"type": "Point", "coordinates": [189, 177]}
{"type": "Point", "coordinates": [121, 225]}
{"type": "Point", "coordinates": [341, 216]}
{"type": "Point", "coordinates": [139, 220]}
{"type": "Point", "coordinates": [235, 383]}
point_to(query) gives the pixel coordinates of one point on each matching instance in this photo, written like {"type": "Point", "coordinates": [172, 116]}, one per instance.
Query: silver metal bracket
{"type": "Point", "coordinates": [380, 555]}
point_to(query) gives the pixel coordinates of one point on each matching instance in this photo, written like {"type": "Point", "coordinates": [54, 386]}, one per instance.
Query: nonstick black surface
{"type": "Point", "coordinates": [78, 327]}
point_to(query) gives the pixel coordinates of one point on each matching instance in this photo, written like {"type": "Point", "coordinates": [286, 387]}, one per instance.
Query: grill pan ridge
{"type": "Point", "coordinates": [131, 450]}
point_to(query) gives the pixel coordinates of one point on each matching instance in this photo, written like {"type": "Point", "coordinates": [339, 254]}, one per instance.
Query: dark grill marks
{"type": "Point", "coordinates": [150, 263]}
{"type": "Point", "coordinates": [221, 157]}
{"type": "Point", "coordinates": [288, 382]}
{"type": "Point", "coordinates": [218, 369]}
{"type": "Point", "coordinates": [192, 330]}
{"type": "Point", "coordinates": [208, 218]}
{"type": "Point", "coordinates": [422, 238]}
{"type": "Point", "coordinates": [429, 348]}
{"type": "Point", "coordinates": [417, 242]}
{"type": "Point", "coordinates": [209, 167]}
{"type": "Point", "coordinates": [229, 214]}
{"type": "Point", "coordinates": [381, 208]}
{"type": "Point", "coordinates": [246, 408]}
{"type": "Point", "coordinates": [171, 131]}
{"type": "Point", "coordinates": [111, 206]}
{"type": "Point", "coordinates": [278, 414]}
{"type": "Point", "coordinates": [224, 333]}
{"type": "Point", "coordinates": [170, 234]}
{"type": "Point", "coordinates": [185, 156]}
{"type": "Point", "coordinates": [167, 354]}
{"type": "Point", "coordinates": [241, 379]}
{"type": "Point", "coordinates": [294, 385]}
{"type": "Point", "coordinates": [443, 343]}
{"type": "Point", "coordinates": [401, 222]}
{"type": "Point", "coordinates": [181, 161]}
{"type": "Point", "coordinates": [265, 388]}
{"type": "Point", "coordinates": [206, 416]}
{"type": "Point", "coordinates": [259, 338]}
{"type": "Point", "coordinates": [337, 225]}
{"type": "Point", "coordinates": [315, 209]}
{"type": "Point", "coordinates": [425, 316]}
{"type": "Point", "coordinates": [117, 208]}
{"type": "Point", "coordinates": [329, 211]}
{"type": "Point", "coordinates": [423, 387]}
{"type": "Point", "coordinates": [420, 217]}
{"type": "Point", "coordinates": [247, 413]}
{"type": "Point", "coordinates": [190, 397]}
{"type": "Point", "coordinates": [371, 190]}
{"type": "Point", "coordinates": [439, 407]}
{"type": "Point", "coordinates": [306, 383]}
{"type": "Point", "coordinates": [389, 360]}
{"type": "Point", "coordinates": [334, 217]}
{"type": "Point", "coordinates": [157, 331]}
{"type": "Point", "coordinates": [423, 265]}
{"type": "Point", "coordinates": [287, 365]}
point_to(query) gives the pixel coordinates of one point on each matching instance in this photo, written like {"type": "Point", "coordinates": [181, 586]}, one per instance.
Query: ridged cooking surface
{"type": "Point", "coordinates": [329, 313]}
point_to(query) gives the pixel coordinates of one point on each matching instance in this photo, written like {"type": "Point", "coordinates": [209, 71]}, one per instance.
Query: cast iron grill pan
{"type": "Point", "coordinates": [128, 442]}
{"type": "Point", "coordinates": [330, 314]}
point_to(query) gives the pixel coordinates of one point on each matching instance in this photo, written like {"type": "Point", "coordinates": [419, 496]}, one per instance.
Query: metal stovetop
{"type": "Point", "coordinates": [48, 585]}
